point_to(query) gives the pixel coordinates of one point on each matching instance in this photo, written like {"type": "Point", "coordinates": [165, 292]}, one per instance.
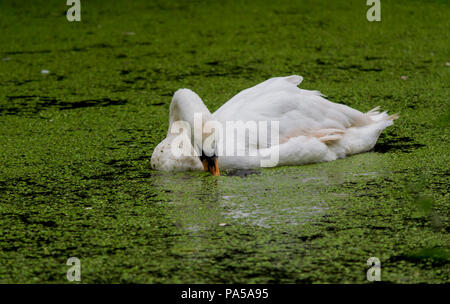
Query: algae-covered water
{"type": "Point", "coordinates": [83, 105]}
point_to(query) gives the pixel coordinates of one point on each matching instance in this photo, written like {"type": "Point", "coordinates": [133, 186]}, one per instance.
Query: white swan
{"type": "Point", "coordinates": [311, 128]}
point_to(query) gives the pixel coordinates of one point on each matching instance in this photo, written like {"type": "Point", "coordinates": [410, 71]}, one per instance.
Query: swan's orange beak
{"type": "Point", "coordinates": [211, 164]}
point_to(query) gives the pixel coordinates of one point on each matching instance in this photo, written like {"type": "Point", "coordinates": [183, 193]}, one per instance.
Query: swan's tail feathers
{"type": "Point", "coordinates": [376, 116]}
{"type": "Point", "coordinates": [393, 116]}
{"type": "Point", "coordinates": [374, 111]}
{"type": "Point", "coordinates": [294, 79]}
{"type": "Point", "coordinates": [363, 137]}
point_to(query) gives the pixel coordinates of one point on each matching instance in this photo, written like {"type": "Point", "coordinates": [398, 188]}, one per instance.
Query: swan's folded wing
{"type": "Point", "coordinates": [298, 111]}
{"type": "Point", "coordinates": [254, 93]}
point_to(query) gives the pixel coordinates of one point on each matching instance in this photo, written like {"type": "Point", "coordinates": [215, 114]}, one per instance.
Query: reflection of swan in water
{"type": "Point", "coordinates": [190, 203]}
{"type": "Point", "coordinates": [311, 128]}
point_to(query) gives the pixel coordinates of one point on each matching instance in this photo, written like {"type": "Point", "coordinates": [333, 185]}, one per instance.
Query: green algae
{"type": "Point", "coordinates": [75, 144]}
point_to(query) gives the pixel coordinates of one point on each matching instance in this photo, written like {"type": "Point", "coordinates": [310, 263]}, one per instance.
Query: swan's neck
{"type": "Point", "coordinates": [188, 109]}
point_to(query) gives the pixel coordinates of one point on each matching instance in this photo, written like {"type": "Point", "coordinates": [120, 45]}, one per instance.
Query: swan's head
{"type": "Point", "coordinates": [189, 110]}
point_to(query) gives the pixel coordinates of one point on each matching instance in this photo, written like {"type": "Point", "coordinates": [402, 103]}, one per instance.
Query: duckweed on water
{"type": "Point", "coordinates": [75, 143]}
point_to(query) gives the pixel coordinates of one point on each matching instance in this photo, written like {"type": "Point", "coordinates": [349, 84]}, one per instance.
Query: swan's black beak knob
{"type": "Point", "coordinates": [210, 164]}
